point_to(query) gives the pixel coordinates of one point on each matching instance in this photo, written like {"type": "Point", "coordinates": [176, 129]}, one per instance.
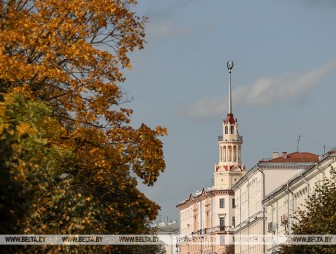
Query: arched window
{"type": "Point", "coordinates": [226, 130]}
{"type": "Point", "coordinates": [232, 129]}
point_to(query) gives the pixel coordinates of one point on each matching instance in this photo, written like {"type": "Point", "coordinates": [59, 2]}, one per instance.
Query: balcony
{"type": "Point", "coordinates": [240, 138]}
{"type": "Point", "coordinates": [218, 229]}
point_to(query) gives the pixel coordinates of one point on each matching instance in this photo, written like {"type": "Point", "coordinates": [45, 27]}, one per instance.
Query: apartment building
{"type": "Point", "coordinates": [251, 189]}
{"type": "Point", "coordinates": [283, 203]}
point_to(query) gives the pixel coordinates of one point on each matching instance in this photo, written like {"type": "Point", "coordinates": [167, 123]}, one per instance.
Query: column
{"type": "Point", "coordinates": [220, 154]}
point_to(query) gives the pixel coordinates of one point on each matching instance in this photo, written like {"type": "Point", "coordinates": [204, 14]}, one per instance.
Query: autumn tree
{"type": "Point", "coordinates": [318, 218]}
{"type": "Point", "coordinates": [32, 198]}
{"type": "Point", "coordinates": [36, 195]}
{"type": "Point", "coordinates": [68, 58]}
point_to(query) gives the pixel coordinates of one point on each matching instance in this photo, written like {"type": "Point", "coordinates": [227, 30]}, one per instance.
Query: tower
{"type": "Point", "coordinates": [229, 168]}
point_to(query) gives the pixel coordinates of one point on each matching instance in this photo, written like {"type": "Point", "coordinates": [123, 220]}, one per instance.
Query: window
{"type": "Point", "coordinates": [221, 224]}
{"type": "Point", "coordinates": [233, 203]}
{"type": "Point", "coordinates": [221, 221]}
{"type": "Point", "coordinates": [232, 129]}
{"type": "Point", "coordinates": [221, 203]}
{"type": "Point", "coordinates": [233, 221]}
{"type": "Point", "coordinates": [222, 240]}
{"type": "Point", "coordinates": [226, 130]}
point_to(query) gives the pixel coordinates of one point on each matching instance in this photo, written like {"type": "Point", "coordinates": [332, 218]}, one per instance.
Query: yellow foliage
{"type": "Point", "coordinates": [51, 51]}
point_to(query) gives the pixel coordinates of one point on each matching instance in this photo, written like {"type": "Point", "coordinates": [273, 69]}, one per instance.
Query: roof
{"type": "Point", "coordinates": [294, 157]}
{"type": "Point", "coordinates": [170, 228]}
{"type": "Point", "coordinates": [327, 156]}
{"type": "Point", "coordinates": [230, 167]}
{"type": "Point", "coordinates": [230, 119]}
{"type": "Point", "coordinates": [205, 192]}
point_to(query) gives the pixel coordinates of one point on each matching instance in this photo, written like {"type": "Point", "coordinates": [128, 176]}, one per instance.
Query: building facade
{"type": "Point", "coordinates": [251, 189]}
{"type": "Point", "coordinates": [247, 203]}
{"type": "Point", "coordinates": [207, 216]}
{"type": "Point", "coordinates": [282, 204]}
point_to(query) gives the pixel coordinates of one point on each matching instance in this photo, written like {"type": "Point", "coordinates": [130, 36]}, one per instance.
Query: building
{"type": "Point", "coordinates": [243, 203]}
{"type": "Point", "coordinates": [168, 231]}
{"type": "Point", "coordinates": [207, 216]}
{"type": "Point", "coordinates": [283, 202]}
{"type": "Point", "coordinates": [251, 189]}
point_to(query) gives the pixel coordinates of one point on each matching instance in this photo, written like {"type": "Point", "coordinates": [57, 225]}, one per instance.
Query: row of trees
{"type": "Point", "coordinates": [70, 160]}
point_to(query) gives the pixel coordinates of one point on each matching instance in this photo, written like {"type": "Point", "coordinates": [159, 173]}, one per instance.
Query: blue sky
{"type": "Point", "coordinates": [283, 83]}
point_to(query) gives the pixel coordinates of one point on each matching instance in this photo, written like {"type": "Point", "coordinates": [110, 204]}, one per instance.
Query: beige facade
{"type": "Point", "coordinates": [205, 217]}
{"type": "Point", "coordinates": [251, 189]}
{"type": "Point", "coordinates": [281, 204]}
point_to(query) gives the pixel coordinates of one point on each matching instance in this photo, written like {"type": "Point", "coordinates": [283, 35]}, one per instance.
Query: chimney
{"type": "Point", "coordinates": [284, 155]}
{"type": "Point", "coordinates": [275, 155]}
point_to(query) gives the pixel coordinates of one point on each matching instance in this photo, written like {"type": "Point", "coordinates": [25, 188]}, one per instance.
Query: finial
{"type": "Point", "coordinates": [230, 66]}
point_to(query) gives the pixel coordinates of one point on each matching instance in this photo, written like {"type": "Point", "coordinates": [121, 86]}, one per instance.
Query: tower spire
{"type": "Point", "coordinates": [230, 167]}
{"type": "Point", "coordinates": [230, 66]}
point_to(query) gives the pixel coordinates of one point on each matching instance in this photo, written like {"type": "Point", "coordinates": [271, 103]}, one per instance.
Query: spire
{"type": "Point", "coordinates": [230, 167]}
{"type": "Point", "coordinates": [230, 66]}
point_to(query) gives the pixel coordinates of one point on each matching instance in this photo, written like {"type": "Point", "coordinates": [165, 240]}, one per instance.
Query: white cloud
{"type": "Point", "coordinates": [263, 92]}
{"type": "Point", "coordinates": [267, 91]}
{"type": "Point", "coordinates": [206, 108]}
{"type": "Point", "coordinates": [164, 30]}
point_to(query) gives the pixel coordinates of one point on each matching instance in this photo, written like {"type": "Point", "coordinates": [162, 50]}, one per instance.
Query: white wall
{"type": "Point", "coordinates": [283, 204]}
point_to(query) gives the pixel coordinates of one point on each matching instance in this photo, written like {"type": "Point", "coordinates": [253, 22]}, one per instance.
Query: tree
{"type": "Point", "coordinates": [30, 192]}
{"type": "Point", "coordinates": [319, 218]}
{"type": "Point", "coordinates": [55, 50]}
{"type": "Point", "coordinates": [68, 57]}
{"type": "Point", "coordinates": [36, 195]}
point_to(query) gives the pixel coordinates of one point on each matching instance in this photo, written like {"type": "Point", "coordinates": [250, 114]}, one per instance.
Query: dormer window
{"type": "Point", "coordinates": [232, 129]}
{"type": "Point", "coordinates": [226, 130]}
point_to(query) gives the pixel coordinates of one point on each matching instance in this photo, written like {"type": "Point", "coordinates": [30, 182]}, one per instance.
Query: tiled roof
{"type": "Point", "coordinates": [294, 157]}
{"type": "Point", "coordinates": [230, 119]}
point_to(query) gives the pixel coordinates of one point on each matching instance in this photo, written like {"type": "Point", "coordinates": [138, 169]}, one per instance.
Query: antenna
{"type": "Point", "coordinates": [324, 148]}
{"type": "Point", "coordinates": [298, 144]}
{"type": "Point", "coordinates": [230, 66]}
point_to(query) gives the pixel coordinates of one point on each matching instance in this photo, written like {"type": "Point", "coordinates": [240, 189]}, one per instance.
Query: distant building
{"type": "Point", "coordinates": [208, 215]}
{"type": "Point", "coordinates": [251, 189]}
{"type": "Point", "coordinates": [283, 202]}
{"type": "Point", "coordinates": [169, 230]}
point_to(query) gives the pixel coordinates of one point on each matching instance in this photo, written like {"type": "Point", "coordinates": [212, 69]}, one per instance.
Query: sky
{"type": "Point", "coordinates": [283, 83]}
